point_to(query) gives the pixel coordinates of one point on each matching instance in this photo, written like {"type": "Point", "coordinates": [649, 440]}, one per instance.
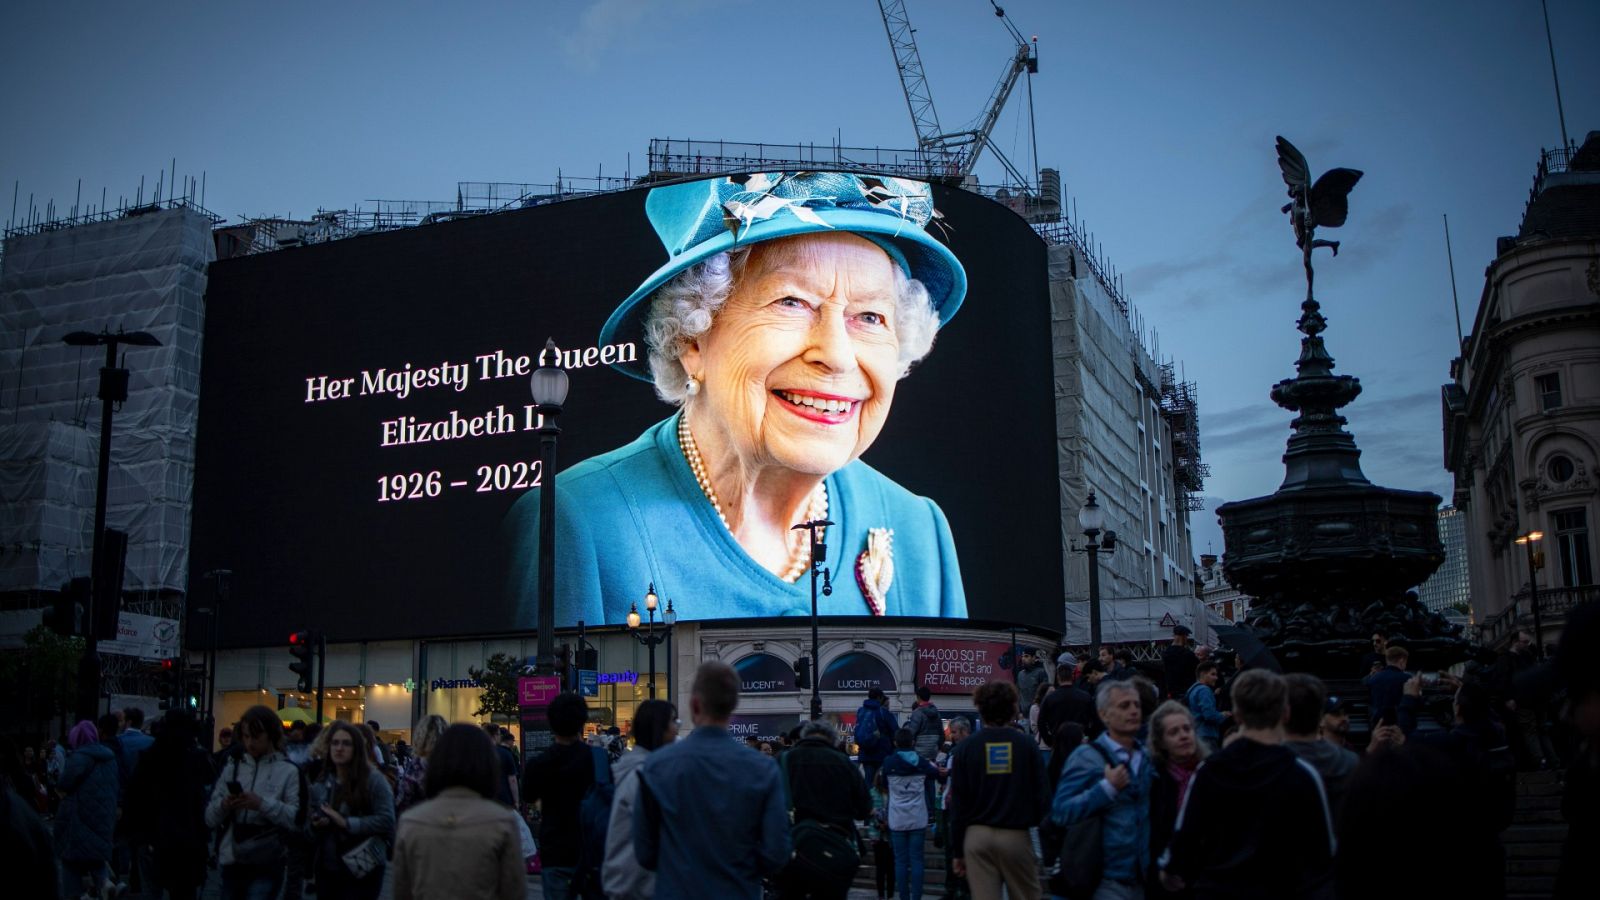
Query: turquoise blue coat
{"type": "Point", "coordinates": [635, 516]}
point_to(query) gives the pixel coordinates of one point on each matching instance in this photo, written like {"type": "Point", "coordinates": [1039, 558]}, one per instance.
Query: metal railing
{"type": "Point", "coordinates": [1551, 162]}
{"type": "Point", "coordinates": [1554, 604]}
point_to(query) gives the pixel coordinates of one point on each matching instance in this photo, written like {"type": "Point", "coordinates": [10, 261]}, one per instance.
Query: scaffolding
{"type": "Point", "coordinates": [1180, 406]}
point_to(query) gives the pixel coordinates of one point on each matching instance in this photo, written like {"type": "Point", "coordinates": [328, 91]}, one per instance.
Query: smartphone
{"type": "Point", "coordinates": [1429, 679]}
{"type": "Point", "coordinates": [235, 788]}
{"type": "Point", "coordinates": [1386, 716]}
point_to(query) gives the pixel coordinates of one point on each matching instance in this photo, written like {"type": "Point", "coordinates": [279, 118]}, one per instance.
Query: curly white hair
{"type": "Point", "coordinates": [682, 310]}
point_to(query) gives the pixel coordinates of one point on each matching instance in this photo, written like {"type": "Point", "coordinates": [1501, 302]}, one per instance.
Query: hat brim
{"type": "Point", "coordinates": [926, 259]}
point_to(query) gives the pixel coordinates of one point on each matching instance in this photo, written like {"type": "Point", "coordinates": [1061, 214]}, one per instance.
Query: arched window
{"type": "Point", "coordinates": [857, 672]}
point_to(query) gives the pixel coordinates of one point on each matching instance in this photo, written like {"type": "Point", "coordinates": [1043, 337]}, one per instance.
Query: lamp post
{"type": "Point", "coordinates": [650, 639]}
{"type": "Point", "coordinates": [113, 389]}
{"type": "Point", "coordinates": [1528, 540]}
{"type": "Point", "coordinates": [819, 555]}
{"type": "Point", "coordinates": [549, 387]}
{"type": "Point", "coordinates": [1091, 518]}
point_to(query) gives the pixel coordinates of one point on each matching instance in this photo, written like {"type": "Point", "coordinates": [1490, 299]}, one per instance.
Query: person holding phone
{"type": "Point", "coordinates": [1109, 777]}
{"type": "Point", "coordinates": [255, 803]}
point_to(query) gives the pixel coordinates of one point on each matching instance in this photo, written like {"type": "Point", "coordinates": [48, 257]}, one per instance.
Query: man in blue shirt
{"type": "Point", "coordinates": [711, 819]}
{"type": "Point", "coordinates": [1111, 777]}
{"type": "Point", "coordinates": [1386, 687]}
{"type": "Point", "coordinates": [1202, 700]}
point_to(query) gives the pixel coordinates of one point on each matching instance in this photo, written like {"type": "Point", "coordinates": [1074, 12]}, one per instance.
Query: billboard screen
{"type": "Point", "coordinates": [741, 354]}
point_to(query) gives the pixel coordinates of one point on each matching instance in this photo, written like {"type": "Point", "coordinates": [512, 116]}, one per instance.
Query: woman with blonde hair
{"type": "Point", "coordinates": [415, 770]}
{"type": "Point", "coordinates": [1177, 752]}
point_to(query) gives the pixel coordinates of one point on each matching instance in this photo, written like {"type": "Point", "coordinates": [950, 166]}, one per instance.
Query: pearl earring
{"type": "Point", "coordinates": [692, 387]}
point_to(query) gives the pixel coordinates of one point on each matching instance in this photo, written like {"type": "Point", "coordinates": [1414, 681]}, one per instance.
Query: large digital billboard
{"type": "Point", "coordinates": [742, 353]}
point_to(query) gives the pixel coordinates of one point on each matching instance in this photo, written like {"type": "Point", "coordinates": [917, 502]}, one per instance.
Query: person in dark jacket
{"type": "Point", "coordinates": [1255, 824]}
{"type": "Point", "coordinates": [874, 734]}
{"type": "Point", "coordinates": [1178, 662]}
{"type": "Point", "coordinates": [998, 793]}
{"type": "Point", "coordinates": [1386, 687]}
{"type": "Point", "coordinates": [557, 779]}
{"type": "Point", "coordinates": [1580, 802]}
{"type": "Point", "coordinates": [822, 783]}
{"type": "Point", "coordinates": [166, 806]}
{"type": "Point", "coordinates": [1176, 753]}
{"type": "Point", "coordinates": [1067, 703]}
{"type": "Point", "coordinates": [1308, 700]}
{"type": "Point", "coordinates": [88, 813]}
{"type": "Point", "coordinates": [26, 857]}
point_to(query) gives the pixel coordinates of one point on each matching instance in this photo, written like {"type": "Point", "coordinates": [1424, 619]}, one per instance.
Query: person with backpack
{"type": "Point", "coordinates": [874, 734]}
{"type": "Point", "coordinates": [259, 797]}
{"type": "Point", "coordinates": [655, 725]}
{"type": "Point", "coordinates": [351, 818]}
{"type": "Point", "coordinates": [559, 781]}
{"type": "Point", "coordinates": [1103, 802]}
{"type": "Point", "coordinates": [83, 824]}
{"type": "Point", "coordinates": [905, 775]}
{"type": "Point", "coordinates": [827, 792]}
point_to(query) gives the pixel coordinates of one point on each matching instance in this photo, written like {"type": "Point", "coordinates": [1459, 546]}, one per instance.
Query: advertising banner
{"type": "Point", "coordinates": [762, 727]}
{"type": "Point", "coordinates": [369, 401]}
{"type": "Point", "coordinates": [147, 637]}
{"type": "Point", "coordinates": [956, 667]}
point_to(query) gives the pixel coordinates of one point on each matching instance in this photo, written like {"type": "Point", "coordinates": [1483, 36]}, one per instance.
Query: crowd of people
{"type": "Point", "coordinates": [1106, 784]}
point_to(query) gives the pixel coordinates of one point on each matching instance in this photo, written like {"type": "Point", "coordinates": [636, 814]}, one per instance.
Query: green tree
{"type": "Point", "coordinates": [499, 679]}
{"type": "Point", "coordinates": [44, 671]}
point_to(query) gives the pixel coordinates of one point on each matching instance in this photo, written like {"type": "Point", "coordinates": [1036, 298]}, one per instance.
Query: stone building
{"type": "Point", "coordinates": [1522, 409]}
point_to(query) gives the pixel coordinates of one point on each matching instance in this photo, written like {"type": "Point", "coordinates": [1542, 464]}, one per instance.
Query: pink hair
{"type": "Point", "coordinates": [83, 733]}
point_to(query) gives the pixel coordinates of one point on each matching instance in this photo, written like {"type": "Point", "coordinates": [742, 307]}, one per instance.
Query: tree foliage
{"type": "Point", "coordinates": [499, 679]}
{"type": "Point", "coordinates": [44, 672]}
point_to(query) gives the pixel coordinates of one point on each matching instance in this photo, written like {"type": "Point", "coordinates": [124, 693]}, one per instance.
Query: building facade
{"type": "Point", "coordinates": [1522, 411]}
{"type": "Point", "coordinates": [1127, 431]}
{"type": "Point", "coordinates": [1450, 586]}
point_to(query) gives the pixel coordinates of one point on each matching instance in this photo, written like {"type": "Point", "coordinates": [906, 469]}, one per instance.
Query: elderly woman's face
{"type": "Point", "coordinates": [800, 364]}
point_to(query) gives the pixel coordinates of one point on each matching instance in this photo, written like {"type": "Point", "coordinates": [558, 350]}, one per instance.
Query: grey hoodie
{"type": "Point", "coordinates": [1333, 763]}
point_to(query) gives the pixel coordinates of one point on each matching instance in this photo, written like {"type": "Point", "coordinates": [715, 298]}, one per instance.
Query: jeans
{"type": "Point", "coordinates": [908, 861]}
{"type": "Point", "coordinates": [556, 882]}
{"type": "Point", "coordinates": [246, 882]}
{"type": "Point", "coordinates": [1117, 890]}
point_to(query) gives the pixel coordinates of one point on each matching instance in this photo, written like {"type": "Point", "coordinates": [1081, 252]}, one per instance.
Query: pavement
{"type": "Point", "coordinates": [213, 890]}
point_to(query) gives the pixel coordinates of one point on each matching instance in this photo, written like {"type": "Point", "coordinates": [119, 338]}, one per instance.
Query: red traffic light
{"type": "Point", "coordinates": [167, 665]}
{"type": "Point", "coordinates": [299, 637]}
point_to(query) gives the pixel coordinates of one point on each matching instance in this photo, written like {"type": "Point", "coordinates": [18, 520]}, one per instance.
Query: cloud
{"type": "Point", "coordinates": [602, 25]}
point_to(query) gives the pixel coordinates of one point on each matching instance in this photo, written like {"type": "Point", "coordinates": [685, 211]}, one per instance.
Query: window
{"type": "Point", "coordinates": [1572, 546]}
{"type": "Point", "coordinates": [1559, 468]}
{"type": "Point", "coordinates": [1548, 387]}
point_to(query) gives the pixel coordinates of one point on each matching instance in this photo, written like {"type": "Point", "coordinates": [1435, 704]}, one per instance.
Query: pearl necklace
{"type": "Point", "coordinates": [799, 541]}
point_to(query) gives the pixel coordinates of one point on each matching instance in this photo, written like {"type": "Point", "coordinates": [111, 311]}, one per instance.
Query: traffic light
{"type": "Point", "coordinates": [802, 672]}
{"type": "Point", "coordinates": [589, 659]}
{"type": "Point", "coordinates": [564, 664]}
{"type": "Point", "coordinates": [300, 647]}
{"type": "Point", "coordinates": [167, 683]}
{"type": "Point", "coordinates": [65, 617]}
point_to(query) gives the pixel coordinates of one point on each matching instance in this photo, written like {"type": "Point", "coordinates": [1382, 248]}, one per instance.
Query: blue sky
{"type": "Point", "coordinates": [1160, 116]}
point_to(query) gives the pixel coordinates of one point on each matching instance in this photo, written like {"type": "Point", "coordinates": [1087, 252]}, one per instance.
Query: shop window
{"type": "Point", "coordinates": [1548, 387]}
{"type": "Point", "coordinates": [1572, 546]}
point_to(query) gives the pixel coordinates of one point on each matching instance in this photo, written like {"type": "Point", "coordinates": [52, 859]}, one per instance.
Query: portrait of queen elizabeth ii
{"type": "Point", "coordinates": [790, 307]}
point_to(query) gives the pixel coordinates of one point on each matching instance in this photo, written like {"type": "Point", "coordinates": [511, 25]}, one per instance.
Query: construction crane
{"type": "Point", "coordinates": [957, 152]}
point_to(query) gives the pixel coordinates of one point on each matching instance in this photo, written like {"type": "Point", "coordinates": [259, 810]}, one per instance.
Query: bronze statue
{"type": "Point", "coordinates": [1325, 204]}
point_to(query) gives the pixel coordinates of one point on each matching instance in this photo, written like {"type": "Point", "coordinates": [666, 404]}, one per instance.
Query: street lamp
{"type": "Point", "coordinates": [549, 387]}
{"type": "Point", "coordinates": [1528, 540]}
{"type": "Point", "coordinates": [650, 638]}
{"type": "Point", "coordinates": [1092, 519]}
{"type": "Point", "coordinates": [819, 554]}
{"type": "Point", "coordinates": [113, 389]}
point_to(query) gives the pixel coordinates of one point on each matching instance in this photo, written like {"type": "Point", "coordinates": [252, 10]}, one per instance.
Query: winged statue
{"type": "Point", "coordinates": [1323, 204]}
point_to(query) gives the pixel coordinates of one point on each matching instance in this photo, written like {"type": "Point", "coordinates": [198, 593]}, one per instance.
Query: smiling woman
{"type": "Point", "coordinates": [791, 306]}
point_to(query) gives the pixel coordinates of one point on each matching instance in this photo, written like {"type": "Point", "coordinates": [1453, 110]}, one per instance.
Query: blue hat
{"type": "Point", "coordinates": [699, 219]}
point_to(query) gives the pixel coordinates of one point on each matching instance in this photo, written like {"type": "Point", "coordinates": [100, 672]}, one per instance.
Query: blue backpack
{"type": "Point", "coordinates": [872, 738]}
{"type": "Point", "coordinates": [594, 821]}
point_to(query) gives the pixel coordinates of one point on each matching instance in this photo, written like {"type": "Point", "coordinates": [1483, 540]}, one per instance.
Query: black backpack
{"type": "Point", "coordinates": [594, 823]}
{"type": "Point", "coordinates": [1082, 851]}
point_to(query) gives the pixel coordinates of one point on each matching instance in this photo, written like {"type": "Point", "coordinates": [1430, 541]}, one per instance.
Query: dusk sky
{"type": "Point", "coordinates": [1159, 115]}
